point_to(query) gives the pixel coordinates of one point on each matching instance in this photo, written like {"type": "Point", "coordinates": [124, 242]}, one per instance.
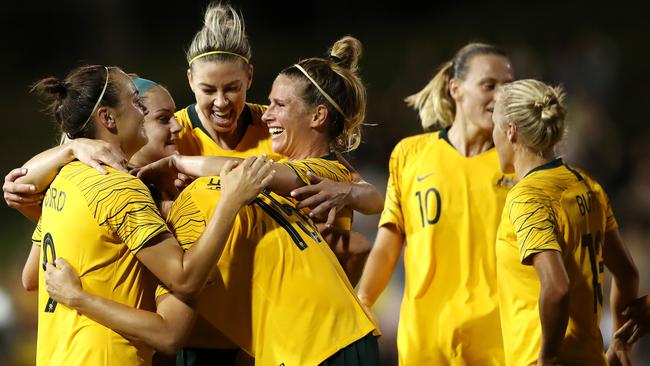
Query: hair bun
{"type": "Point", "coordinates": [550, 111]}
{"type": "Point", "coordinates": [55, 87]}
{"type": "Point", "coordinates": [346, 53]}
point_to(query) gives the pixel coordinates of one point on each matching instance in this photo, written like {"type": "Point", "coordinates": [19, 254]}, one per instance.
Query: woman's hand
{"type": "Point", "coordinates": [62, 282]}
{"type": "Point", "coordinates": [638, 324]}
{"type": "Point", "coordinates": [164, 176]}
{"type": "Point", "coordinates": [150, 172]}
{"type": "Point", "coordinates": [18, 195]}
{"type": "Point", "coordinates": [618, 353]}
{"type": "Point", "coordinates": [243, 182]}
{"type": "Point", "coordinates": [94, 153]}
{"type": "Point", "coordinates": [323, 196]}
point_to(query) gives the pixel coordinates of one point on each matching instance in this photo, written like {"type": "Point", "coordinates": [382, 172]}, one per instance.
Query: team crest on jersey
{"type": "Point", "coordinates": [506, 182]}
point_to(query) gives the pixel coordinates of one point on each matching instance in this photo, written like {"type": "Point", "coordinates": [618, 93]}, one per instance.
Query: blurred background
{"type": "Point", "coordinates": [599, 53]}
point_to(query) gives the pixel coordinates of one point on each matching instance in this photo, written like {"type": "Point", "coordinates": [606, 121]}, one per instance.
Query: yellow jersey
{"type": "Point", "coordinates": [97, 223]}
{"type": "Point", "coordinates": [330, 168]}
{"type": "Point", "coordinates": [194, 139]}
{"type": "Point", "coordinates": [554, 207]}
{"type": "Point", "coordinates": [279, 292]}
{"type": "Point", "coordinates": [448, 208]}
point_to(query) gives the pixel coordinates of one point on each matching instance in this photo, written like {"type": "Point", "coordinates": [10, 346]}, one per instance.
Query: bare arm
{"type": "Point", "coordinates": [625, 286]}
{"type": "Point", "coordinates": [327, 196]}
{"type": "Point", "coordinates": [22, 197]}
{"type": "Point", "coordinates": [30, 271]}
{"type": "Point", "coordinates": [203, 166]}
{"type": "Point", "coordinates": [185, 272]}
{"type": "Point", "coordinates": [351, 249]}
{"type": "Point", "coordinates": [553, 303]}
{"type": "Point", "coordinates": [42, 168]}
{"type": "Point", "coordinates": [324, 195]}
{"type": "Point", "coordinates": [625, 276]}
{"type": "Point", "coordinates": [163, 330]}
{"type": "Point", "coordinates": [380, 265]}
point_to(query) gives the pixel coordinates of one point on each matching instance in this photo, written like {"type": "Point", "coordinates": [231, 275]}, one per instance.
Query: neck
{"type": "Point", "coordinates": [526, 160]}
{"type": "Point", "coordinates": [468, 139]}
{"type": "Point", "coordinates": [111, 138]}
{"type": "Point", "coordinates": [312, 149]}
{"type": "Point", "coordinates": [230, 140]}
{"type": "Point", "coordinates": [141, 159]}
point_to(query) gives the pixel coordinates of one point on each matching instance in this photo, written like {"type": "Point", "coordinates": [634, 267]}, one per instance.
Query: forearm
{"type": "Point", "coordinates": [365, 198]}
{"type": "Point", "coordinates": [42, 168]}
{"type": "Point", "coordinates": [625, 275]}
{"type": "Point", "coordinates": [134, 324]}
{"type": "Point", "coordinates": [622, 294]}
{"type": "Point", "coordinates": [284, 181]}
{"type": "Point", "coordinates": [554, 316]}
{"type": "Point", "coordinates": [200, 166]}
{"type": "Point", "coordinates": [32, 213]}
{"type": "Point", "coordinates": [198, 261]}
{"type": "Point", "coordinates": [380, 265]}
{"type": "Point", "coordinates": [30, 270]}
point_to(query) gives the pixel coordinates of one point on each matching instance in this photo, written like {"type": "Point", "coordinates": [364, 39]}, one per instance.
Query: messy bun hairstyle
{"type": "Point", "coordinates": [73, 100]}
{"type": "Point", "coordinates": [338, 79]}
{"type": "Point", "coordinates": [536, 109]}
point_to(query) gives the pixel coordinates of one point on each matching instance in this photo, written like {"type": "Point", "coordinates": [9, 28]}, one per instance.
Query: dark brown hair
{"type": "Point", "coordinates": [71, 100]}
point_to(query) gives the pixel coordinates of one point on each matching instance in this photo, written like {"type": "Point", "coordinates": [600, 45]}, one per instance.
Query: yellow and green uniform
{"type": "Point", "coordinates": [279, 292]}
{"type": "Point", "coordinates": [554, 207]}
{"type": "Point", "coordinates": [193, 139]}
{"type": "Point", "coordinates": [97, 223]}
{"type": "Point", "coordinates": [448, 208]}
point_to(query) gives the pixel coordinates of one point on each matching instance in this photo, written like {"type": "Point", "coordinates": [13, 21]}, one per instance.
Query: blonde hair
{"type": "Point", "coordinates": [435, 106]}
{"type": "Point", "coordinates": [337, 76]}
{"type": "Point", "coordinates": [536, 109]}
{"type": "Point", "coordinates": [223, 30]}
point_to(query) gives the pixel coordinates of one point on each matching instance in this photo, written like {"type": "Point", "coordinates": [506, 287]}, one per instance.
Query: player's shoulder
{"type": "Point", "coordinates": [528, 190]}
{"type": "Point", "coordinates": [86, 177]}
{"type": "Point", "coordinates": [418, 141]}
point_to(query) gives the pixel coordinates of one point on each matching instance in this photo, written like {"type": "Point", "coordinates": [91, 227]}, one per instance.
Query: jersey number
{"type": "Point", "coordinates": [423, 201]}
{"type": "Point", "coordinates": [593, 244]}
{"type": "Point", "coordinates": [48, 248]}
{"type": "Point", "coordinates": [278, 211]}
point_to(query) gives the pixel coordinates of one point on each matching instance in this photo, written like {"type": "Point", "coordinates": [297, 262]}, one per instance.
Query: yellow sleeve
{"type": "Point", "coordinates": [329, 169]}
{"type": "Point", "coordinates": [392, 213]}
{"type": "Point", "coordinates": [186, 220]}
{"type": "Point", "coordinates": [534, 222]}
{"type": "Point", "coordinates": [123, 205]}
{"type": "Point", "coordinates": [161, 290]}
{"type": "Point", "coordinates": [37, 236]}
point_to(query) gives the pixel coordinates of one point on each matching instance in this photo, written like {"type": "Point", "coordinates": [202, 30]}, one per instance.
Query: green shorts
{"type": "Point", "coordinates": [206, 357]}
{"type": "Point", "coordinates": [363, 352]}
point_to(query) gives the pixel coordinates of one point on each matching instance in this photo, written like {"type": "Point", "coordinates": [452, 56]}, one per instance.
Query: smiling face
{"type": "Point", "coordinates": [288, 117]}
{"type": "Point", "coordinates": [474, 95]}
{"type": "Point", "coordinates": [129, 115]}
{"type": "Point", "coordinates": [160, 125]}
{"type": "Point", "coordinates": [220, 90]}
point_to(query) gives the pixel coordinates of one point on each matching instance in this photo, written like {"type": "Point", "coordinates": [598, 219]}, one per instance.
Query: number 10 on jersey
{"type": "Point", "coordinates": [426, 200]}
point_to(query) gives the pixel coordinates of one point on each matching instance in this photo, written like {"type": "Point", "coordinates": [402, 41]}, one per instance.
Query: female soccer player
{"type": "Point", "coordinates": [222, 123]}
{"type": "Point", "coordinates": [117, 221]}
{"type": "Point", "coordinates": [220, 73]}
{"type": "Point", "coordinates": [444, 199]}
{"type": "Point", "coordinates": [279, 294]}
{"type": "Point", "coordinates": [161, 129]}
{"type": "Point", "coordinates": [160, 124]}
{"type": "Point", "coordinates": [556, 233]}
